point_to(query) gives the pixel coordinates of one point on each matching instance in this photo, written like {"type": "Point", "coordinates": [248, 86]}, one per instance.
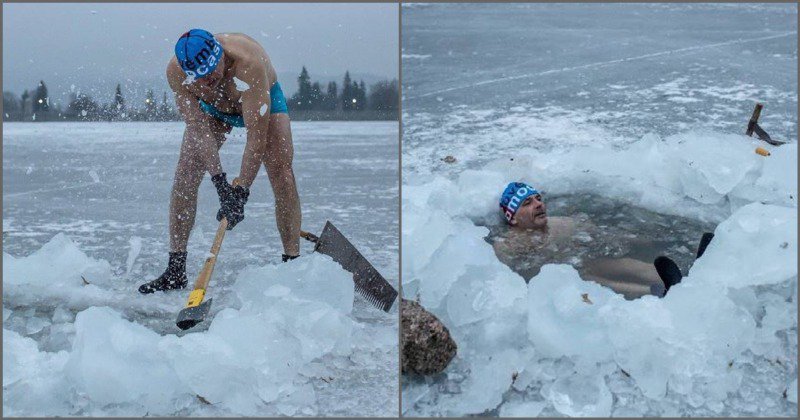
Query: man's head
{"type": "Point", "coordinates": [522, 206]}
{"type": "Point", "coordinates": [199, 55]}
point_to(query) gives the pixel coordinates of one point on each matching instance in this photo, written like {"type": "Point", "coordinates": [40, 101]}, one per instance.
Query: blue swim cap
{"type": "Point", "coordinates": [198, 53]}
{"type": "Point", "coordinates": [513, 196]}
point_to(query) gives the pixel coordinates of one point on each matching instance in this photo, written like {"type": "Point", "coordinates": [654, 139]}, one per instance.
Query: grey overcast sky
{"type": "Point", "coordinates": [92, 47]}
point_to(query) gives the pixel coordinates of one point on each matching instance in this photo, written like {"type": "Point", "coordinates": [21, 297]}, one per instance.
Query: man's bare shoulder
{"type": "Point", "coordinates": [175, 75]}
{"type": "Point", "coordinates": [237, 36]}
{"type": "Point", "coordinates": [243, 47]}
{"type": "Point", "coordinates": [252, 62]}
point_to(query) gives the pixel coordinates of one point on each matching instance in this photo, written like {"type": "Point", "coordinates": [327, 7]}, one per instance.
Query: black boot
{"type": "Point", "coordinates": [669, 272]}
{"type": "Point", "coordinates": [704, 241]}
{"type": "Point", "coordinates": [174, 276]}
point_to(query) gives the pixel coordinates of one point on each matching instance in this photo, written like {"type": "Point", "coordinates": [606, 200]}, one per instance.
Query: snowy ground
{"type": "Point", "coordinates": [91, 200]}
{"type": "Point", "coordinates": [645, 104]}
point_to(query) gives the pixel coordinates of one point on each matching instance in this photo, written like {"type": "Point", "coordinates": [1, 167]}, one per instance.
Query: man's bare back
{"type": "Point", "coordinates": [251, 65]}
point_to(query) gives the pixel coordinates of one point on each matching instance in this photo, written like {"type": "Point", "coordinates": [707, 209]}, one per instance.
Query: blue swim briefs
{"type": "Point", "coordinates": [277, 106]}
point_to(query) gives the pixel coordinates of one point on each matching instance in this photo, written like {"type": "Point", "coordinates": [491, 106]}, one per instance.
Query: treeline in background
{"type": "Point", "coordinates": [353, 101]}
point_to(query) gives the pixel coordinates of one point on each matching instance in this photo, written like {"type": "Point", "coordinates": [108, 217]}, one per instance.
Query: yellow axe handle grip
{"type": "Point", "coordinates": [200, 285]}
{"type": "Point", "coordinates": [196, 297]}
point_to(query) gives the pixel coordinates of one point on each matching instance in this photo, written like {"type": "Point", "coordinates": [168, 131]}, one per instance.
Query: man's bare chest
{"type": "Point", "coordinates": [224, 97]}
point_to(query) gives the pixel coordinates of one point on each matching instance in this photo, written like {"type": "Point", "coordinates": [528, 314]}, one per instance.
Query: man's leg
{"type": "Point", "coordinates": [189, 174]}
{"type": "Point", "coordinates": [668, 271]}
{"type": "Point", "coordinates": [183, 205]}
{"type": "Point", "coordinates": [279, 155]}
{"type": "Point", "coordinates": [628, 276]}
{"type": "Point", "coordinates": [704, 241]}
{"type": "Point", "coordinates": [183, 201]}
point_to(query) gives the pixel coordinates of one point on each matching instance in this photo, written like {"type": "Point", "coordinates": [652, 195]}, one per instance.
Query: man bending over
{"type": "Point", "coordinates": [221, 82]}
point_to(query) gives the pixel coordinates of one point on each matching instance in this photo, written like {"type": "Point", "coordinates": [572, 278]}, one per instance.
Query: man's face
{"type": "Point", "coordinates": [532, 213]}
{"type": "Point", "coordinates": [213, 79]}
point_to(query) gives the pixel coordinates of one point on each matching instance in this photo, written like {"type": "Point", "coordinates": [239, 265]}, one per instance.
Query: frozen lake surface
{"type": "Point", "coordinates": [483, 79]}
{"type": "Point", "coordinates": [645, 105]}
{"type": "Point", "coordinates": [106, 186]}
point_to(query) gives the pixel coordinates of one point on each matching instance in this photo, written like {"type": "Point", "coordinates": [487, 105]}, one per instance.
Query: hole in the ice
{"type": "Point", "coordinates": [607, 241]}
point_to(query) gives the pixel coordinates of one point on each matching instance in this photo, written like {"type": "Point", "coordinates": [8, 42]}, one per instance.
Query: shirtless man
{"type": "Point", "coordinates": [221, 82]}
{"type": "Point", "coordinates": [531, 230]}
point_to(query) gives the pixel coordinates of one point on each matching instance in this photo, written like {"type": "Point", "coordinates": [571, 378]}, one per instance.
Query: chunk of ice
{"type": "Point", "coordinates": [291, 315]}
{"type": "Point", "coordinates": [581, 396]}
{"type": "Point", "coordinates": [35, 324]}
{"type": "Point", "coordinates": [709, 341]}
{"type": "Point", "coordinates": [59, 263]}
{"type": "Point", "coordinates": [522, 409]}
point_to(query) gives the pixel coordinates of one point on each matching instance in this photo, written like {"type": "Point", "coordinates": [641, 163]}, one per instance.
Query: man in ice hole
{"type": "Point", "coordinates": [531, 230]}
{"type": "Point", "coordinates": [221, 82]}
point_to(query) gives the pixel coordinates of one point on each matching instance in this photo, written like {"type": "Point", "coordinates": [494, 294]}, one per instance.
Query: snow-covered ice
{"type": "Point", "coordinates": [283, 339]}
{"type": "Point", "coordinates": [135, 249]}
{"type": "Point", "coordinates": [250, 361]}
{"type": "Point", "coordinates": [656, 122]}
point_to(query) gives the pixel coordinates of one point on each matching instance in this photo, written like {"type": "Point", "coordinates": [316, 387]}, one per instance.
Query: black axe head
{"type": "Point", "coordinates": [190, 316]}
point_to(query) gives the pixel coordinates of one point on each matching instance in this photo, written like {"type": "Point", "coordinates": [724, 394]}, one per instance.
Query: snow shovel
{"type": "Point", "coordinates": [369, 283]}
{"type": "Point", "coordinates": [196, 309]}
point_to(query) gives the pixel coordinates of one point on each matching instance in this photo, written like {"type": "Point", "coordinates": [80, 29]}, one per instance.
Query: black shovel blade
{"type": "Point", "coordinates": [191, 316]}
{"type": "Point", "coordinates": [369, 283]}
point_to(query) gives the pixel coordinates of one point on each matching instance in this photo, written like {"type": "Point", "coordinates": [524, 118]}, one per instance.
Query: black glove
{"type": "Point", "coordinates": [231, 200]}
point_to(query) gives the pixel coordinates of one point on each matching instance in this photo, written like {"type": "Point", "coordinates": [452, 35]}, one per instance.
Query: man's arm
{"type": "Point", "coordinates": [255, 111]}
{"type": "Point", "coordinates": [269, 142]}
{"type": "Point", "coordinates": [198, 134]}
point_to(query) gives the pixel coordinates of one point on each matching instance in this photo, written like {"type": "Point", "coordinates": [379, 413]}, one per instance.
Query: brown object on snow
{"type": "Point", "coordinates": [426, 345]}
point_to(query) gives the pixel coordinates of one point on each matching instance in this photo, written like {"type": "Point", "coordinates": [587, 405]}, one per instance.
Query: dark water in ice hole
{"type": "Point", "coordinates": [605, 229]}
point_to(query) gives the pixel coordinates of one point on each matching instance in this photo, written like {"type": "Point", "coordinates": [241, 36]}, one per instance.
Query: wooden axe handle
{"type": "Point", "coordinates": [208, 266]}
